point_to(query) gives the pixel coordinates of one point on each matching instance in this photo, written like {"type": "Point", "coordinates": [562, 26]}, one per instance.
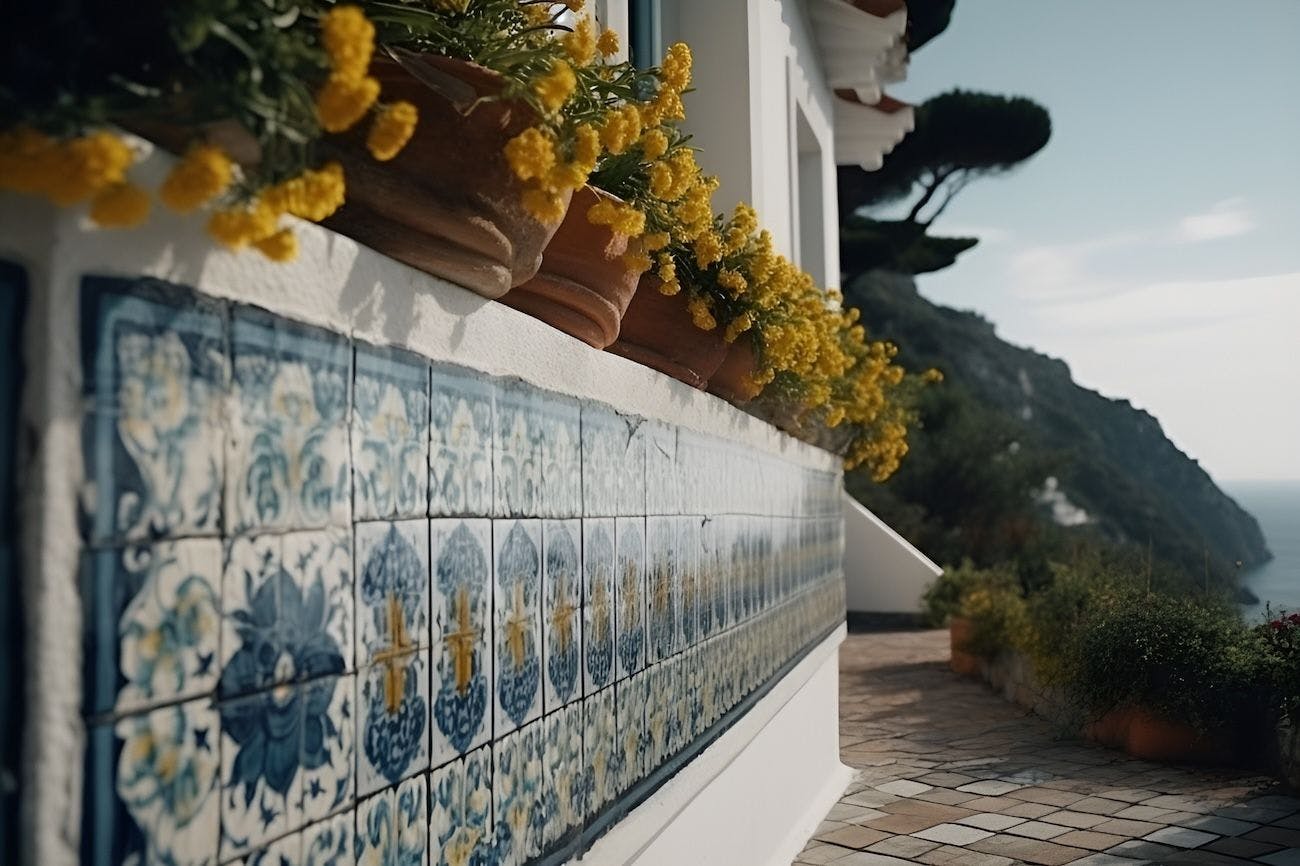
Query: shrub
{"type": "Point", "coordinates": [999, 620]}
{"type": "Point", "coordinates": [943, 598]}
{"type": "Point", "coordinates": [1280, 637]}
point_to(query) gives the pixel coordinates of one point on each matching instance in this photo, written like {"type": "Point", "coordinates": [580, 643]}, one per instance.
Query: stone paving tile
{"type": "Point", "coordinates": [902, 824]}
{"type": "Point", "coordinates": [1289, 857]}
{"type": "Point", "coordinates": [1078, 820]}
{"type": "Point", "coordinates": [1276, 835]}
{"type": "Point", "coordinates": [1099, 806]}
{"type": "Point", "coordinates": [952, 834]}
{"type": "Point", "coordinates": [1049, 796]}
{"type": "Point", "coordinates": [1140, 850]}
{"type": "Point", "coordinates": [990, 804]}
{"type": "Point", "coordinates": [818, 853]}
{"type": "Point", "coordinates": [853, 836]}
{"type": "Point", "coordinates": [1038, 830]}
{"type": "Point", "coordinates": [946, 797]}
{"type": "Point", "coordinates": [991, 821]}
{"type": "Point", "coordinates": [1181, 837]}
{"type": "Point", "coordinates": [1218, 824]}
{"type": "Point", "coordinates": [903, 788]}
{"type": "Point", "coordinates": [1028, 850]}
{"type": "Point", "coordinates": [1090, 839]}
{"type": "Point", "coordinates": [1126, 827]}
{"type": "Point", "coordinates": [903, 846]}
{"type": "Point", "coordinates": [1104, 860]}
{"type": "Point", "coordinates": [990, 788]}
{"type": "Point", "coordinates": [1028, 810]}
{"type": "Point", "coordinates": [1244, 848]}
{"type": "Point", "coordinates": [866, 858]}
{"type": "Point", "coordinates": [851, 813]}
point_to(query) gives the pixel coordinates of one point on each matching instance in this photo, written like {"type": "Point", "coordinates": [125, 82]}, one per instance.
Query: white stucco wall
{"type": "Point", "coordinates": [883, 573]}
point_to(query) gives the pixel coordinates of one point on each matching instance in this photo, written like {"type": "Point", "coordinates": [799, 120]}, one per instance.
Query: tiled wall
{"type": "Point", "coordinates": [344, 604]}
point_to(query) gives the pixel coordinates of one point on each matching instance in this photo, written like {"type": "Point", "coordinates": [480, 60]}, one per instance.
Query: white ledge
{"type": "Point", "coordinates": [859, 50]}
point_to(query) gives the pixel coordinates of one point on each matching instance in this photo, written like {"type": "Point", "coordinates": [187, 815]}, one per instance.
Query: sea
{"type": "Point", "coordinates": [1276, 505]}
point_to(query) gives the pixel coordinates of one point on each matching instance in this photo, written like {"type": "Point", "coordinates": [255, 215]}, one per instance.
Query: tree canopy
{"type": "Point", "coordinates": [926, 19]}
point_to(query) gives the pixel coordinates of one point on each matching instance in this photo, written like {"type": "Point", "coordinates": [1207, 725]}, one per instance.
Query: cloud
{"type": "Point", "coordinates": [1055, 272]}
{"type": "Point", "coordinates": [1226, 219]}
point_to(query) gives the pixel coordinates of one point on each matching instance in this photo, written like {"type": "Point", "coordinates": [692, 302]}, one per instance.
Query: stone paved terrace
{"type": "Point", "coordinates": [950, 773]}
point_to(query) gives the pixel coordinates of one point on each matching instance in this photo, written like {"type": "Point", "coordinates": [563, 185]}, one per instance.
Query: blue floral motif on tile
{"type": "Point", "coordinates": [376, 835]}
{"type": "Point", "coordinates": [461, 437]}
{"type": "Point", "coordinates": [462, 587]}
{"type": "Point", "coordinates": [152, 624]}
{"type": "Point", "coordinates": [688, 556]}
{"type": "Point", "coordinates": [394, 718]}
{"type": "Point", "coordinates": [559, 429]}
{"type": "Point", "coordinates": [604, 439]}
{"type": "Point", "coordinates": [327, 759]}
{"type": "Point", "coordinates": [151, 788]}
{"type": "Point", "coordinates": [329, 843]}
{"type": "Point", "coordinates": [662, 581]}
{"type": "Point", "coordinates": [564, 776]}
{"type": "Point", "coordinates": [598, 603]}
{"type": "Point", "coordinates": [600, 751]}
{"type": "Point", "coordinates": [288, 467]}
{"type": "Point", "coordinates": [517, 795]}
{"type": "Point", "coordinates": [460, 812]}
{"type": "Point", "coordinates": [412, 821]}
{"type": "Point", "coordinates": [390, 438]}
{"type": "Point", "coordinates": [632, 468]}
{"type": "Point", "coordinates": [392, 583]}
{"type": "Point", "coordinates": [561, 616]}
{"type": "Point", "coordinates": [517, 651]}
{"type": "Point", "coordinates": [517, 454]}
{"type": "Point", "coordinates": [281, 852]}
{"type": "Point", "coordinates": [155, 371]}
{"type": "Point", "coordinates": [629, 622]}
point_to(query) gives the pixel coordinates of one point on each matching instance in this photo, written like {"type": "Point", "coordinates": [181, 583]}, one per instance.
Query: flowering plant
{"type": "Point", "coordinates": [245, 90]}
{"type": "Point", "coordinates": [1281, 636]}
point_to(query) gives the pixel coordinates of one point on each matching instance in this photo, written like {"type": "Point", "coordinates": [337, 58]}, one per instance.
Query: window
{"type": "Point", "coordinates": [810, 220]}
{"type": "Point", "coordinates": [645, 32]}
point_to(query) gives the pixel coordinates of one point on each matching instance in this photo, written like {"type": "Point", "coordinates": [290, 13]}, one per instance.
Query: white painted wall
{"type": "Point", "coordinates": [883, 573]}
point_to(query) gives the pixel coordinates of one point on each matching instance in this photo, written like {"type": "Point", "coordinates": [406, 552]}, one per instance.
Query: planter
{"type": "Point", "coordinates": [583, 287]}
{"type": "Point", "coordinates": [658, 332]}
{"type": "Point", "coordinates": [1156, 739]}
{"type": "Point", "coordinates": [731, 381]}
{"type": "Point", "coordinates": [1288, 744]}
{"type": "Point", "coordinates": [960, 632]}
{"type": "Point", "coordinates": [1112, 729]}
{"type": "Point", "coordinates": [448, 204]}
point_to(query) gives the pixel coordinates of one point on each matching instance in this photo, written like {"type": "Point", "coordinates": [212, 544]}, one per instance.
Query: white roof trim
{"type": "Point", "coordinates": [864, 134]}
{"type": "Point", "coordinates": [857, 48]}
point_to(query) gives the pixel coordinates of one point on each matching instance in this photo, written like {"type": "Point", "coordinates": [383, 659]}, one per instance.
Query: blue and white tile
{"type": "Point", "coordinates": [461, 435]}
{"type": "Point", "coordinates": [152, 622]}
{"type": "Point", "coordinates": [561, 612]}
{"type": "Point", "coordinates": [517, 454]}
{"type": "Point", "coordinates": [517, 794]}
{"type": "Point", "coordinates": [560, 428]}
{"type": "Point", "coordinates": [564, 776]}
{"type": "Point", "coordinates": [460, 811]}
{"type": "Point", "coordinates": [412, 818]}
{"type": "Point", "coordinates": [330, 842]}
{"type": "Point", "coordinates": [261, 782]}
{"type": "Point", "coordinates": [392, 601]}
{"type": "Point", "coordinates": [376, 831]}
{"type": "Point", "coordinates": [604, 440]}
{"type": "Point", "coordinates": [288, 455]}
{"type": "Point", "coordinates": [658, 715]}
{"type": "Point", "coordinates": [328, 754]}
{"type": "Point", "coordinates": [706, 581]}
{"type": "Point", "coordinates": [688, 558]}
{"type": "Point", "coordinates": [601, 751]}
{"type": "Point", "coordinates": [135, 804]}
{"type": "Point", "coordinates": [287, 609]}
{"type": "Point", "coordinates": [393, 714]}
{"type": "Point", "coordinates": [630, 702]}
{"type": "Point", "coordinates": [281, 852]}
{"type": "Point", "coordinates": [663, 586]}
{"type": "Point", "coordinates": [390, 436]}
{"type": "Point", "coordinates": [517, 601]}
{"type": "Point", "coordinates": [598, 604]}
{"type": "Point", "coordinates": [462, 683]}
{"type": "Point", "coordinates": [663, 495]}
{"type": "Point", "coordinates": [632, 467]}
{"type": "Point", "coordinates": [155, 376]}
{"type": "Point", "coordinates": [630, 592]}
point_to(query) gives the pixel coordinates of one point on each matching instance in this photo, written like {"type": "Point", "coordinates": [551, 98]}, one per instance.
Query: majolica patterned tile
{"type": "Point", "coordinates": [330, 842]}
{"type": "Point", "coordinates": [460, 812]}
{"type": "Point", "coordinates": [598, 604]}
{"type": "Point", "coordinates": [688, 558]}
{"type": "Point", "coordinates": [517, 794]}
{"type": "Point", "coordinates": [393, 713]}
{"type": "Point", "coordinates": [392, 598]}
{"type": "Point", "coordinates": [632, 468]}
{"type": "Point", "coordinates": [629, 592]}
{"type": "Point", "coordinates": [517, 653]}
{"type": "Point", "coordinates": [376, 831]}
{"type": "Point", "coordinates": [601, 751]}
{"type": "Point", "coordinates": [663, 581]}
{"type": "Point", "coordinates": [631, 745]}
{"type": "Point", "coordinates": [327, 756]}
{"type": "Point", "coordinates": [561, 612]}
{"type": "Point", "coordinates": [287, 466]}
{"type": "Point", "coordinates": [517, 454]}
{"type": "Point", "coordinates": [604, 441]}
{"type": "Point", "coordinates": [461, 441]}
{"type": "Point", "coordinates": [462, 634]}
{"type": "Point", "coordinates": [261, 740]}
{"type": "Point", "coordinates": [390, 437]}
{"type": "Point", "coordinates": [152, 622]}
{"type": "Point", "coordinates": [658, 714]}
{"type": "Point", "coordinates": [412, 822]}
{"type": "Point", "coordinates": [564, 777]}
{"type": "Point", "coordinates": [663, 495]}
{"type": "Point", "coordinates": [559, 424]}
{"type": "Point", "coordinates": [281, 852]}
{"type": "Point", "coordinates": [287, 609]}
{"type": "Point", "coordinates": [152, 788]}
{"type": "Point", "coordinates": [155, 374]}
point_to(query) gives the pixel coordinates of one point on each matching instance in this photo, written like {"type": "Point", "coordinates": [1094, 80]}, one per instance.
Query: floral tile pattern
{"type": "Point", "coordinates": [561, 612]}
{"type": "Point", "coordinates": [343, 605]}
{"type": "Point", "coordinates": [155, 382]}
{"type": "Point", "coordinates": [598, 604]}
{"type": "Point", "coordinates": [462, 622]}
{"type": "Point", "coordinates": [517, 653]}
{"type": "Point", "coordinates": [461, 435]}
{"type": "Point", "coordinates": [287, 465]}
{"type": "Point", "coordinates": [390, 439]}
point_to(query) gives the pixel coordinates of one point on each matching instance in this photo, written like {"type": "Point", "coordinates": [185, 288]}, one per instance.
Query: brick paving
{"type": "Point", "coordinates": [950, 773]}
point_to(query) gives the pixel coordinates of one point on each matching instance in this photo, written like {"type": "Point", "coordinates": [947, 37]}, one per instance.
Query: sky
{"type": "Point", "coordinates": [1154, 244]}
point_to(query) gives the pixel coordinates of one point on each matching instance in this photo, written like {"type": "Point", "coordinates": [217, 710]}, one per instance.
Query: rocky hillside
{"type": "Point", "coordinates": [1108, 466]}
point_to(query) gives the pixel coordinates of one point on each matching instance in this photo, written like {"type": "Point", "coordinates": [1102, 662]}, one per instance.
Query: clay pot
{"type": "Point", "coordinates": [448, 204]}
{"type": "Point", "coordinates": [1111, 729]}
{"type": "Point", "coordinates": [731, 381]}
{"type": "Point", "coordinates": [658, 332]}
{"type": "Point", "coordinates": [583, 287]}
{"type": "Point", "coordinates": [1153, 738]}
{"type": "Point", "coordinates": [960, 632]}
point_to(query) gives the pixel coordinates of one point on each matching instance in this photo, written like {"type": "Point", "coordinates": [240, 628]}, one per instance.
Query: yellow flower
{"type": "Point", "coordinates": [654, 144]}
{"type": "Point", "coordinates": [121, 205]}
{"type": "Point", "coordinates": [730, 279]}
{"type": "Point", "coordinates": [738, 326]}
{"type": "Point", "coordinates": [545, 207]}
{"type": "Point", "coordinates": [312, 195]}
{"type": "Point", "coordinates": [391, 130]}
{"type": "Point", "coordinates": [667, 270]}
{"type": "Point", "coordinates": [661, 181]}
{"type": "Point", "coordinates": [575, 5]}
{"type": "Point", "coordinates": [282, 246]}
{"type": "Point", "coordinates": [586, 147]}
{"type": "Point", "coordinates": [607, 44]}
{"type": "Point", "coordinates": [203, 174]}
{"type": "Point", "coordinates": [636, 260]}
{"type": "Point", "coordinates": [77, 169]}
{"type": "Point", "coordinates": [349, 40]}
{"type": "Point", "coordinates": [239, 227]}
{"type": "Point", "coordinates": [655, 241]}
{"type": "Point", "coordinates": [701, 316]}
{"type": "Point", "coordinates": [621, 128]}
{"type": "Point", "coordinates": [580, 44]}
{"type": "Point", "coordinates": [623, 218]}
{"type": "Point", "coordinates": [345, 100]}
{"type": "Point", "coordinates": [531, 153]}
{"type": "Point", "coordinates": [554, 88]}
{"type": "Point", "coordinates": [708, 249]}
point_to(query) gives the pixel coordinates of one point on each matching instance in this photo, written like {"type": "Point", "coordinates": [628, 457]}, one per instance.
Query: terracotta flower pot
{"type": "Point", "coordinates": [658, 332]}
{"type": "Point", "coordinates": [1111, 729]}
{"type": "Point", "coordinates": [583, 287]}
{"type": "Point", "coordinates": [448, 204]}
{"type": "Point", "coordinates": [731, 382]}
{"type": "Point", "coordinates": [960, 632]}
{"type": "Point", "coordinates": [1153, 738]}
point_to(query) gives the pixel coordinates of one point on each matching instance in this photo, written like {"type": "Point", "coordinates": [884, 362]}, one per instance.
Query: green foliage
{"type": "Point", "coordinates": [1280, 636]}
{"type": "Point", "coordinates": [926, 19]}
{"type": "Point", "coordinates": [998, 615]}
{"type": "Point", "coordinates": [896, 245]}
